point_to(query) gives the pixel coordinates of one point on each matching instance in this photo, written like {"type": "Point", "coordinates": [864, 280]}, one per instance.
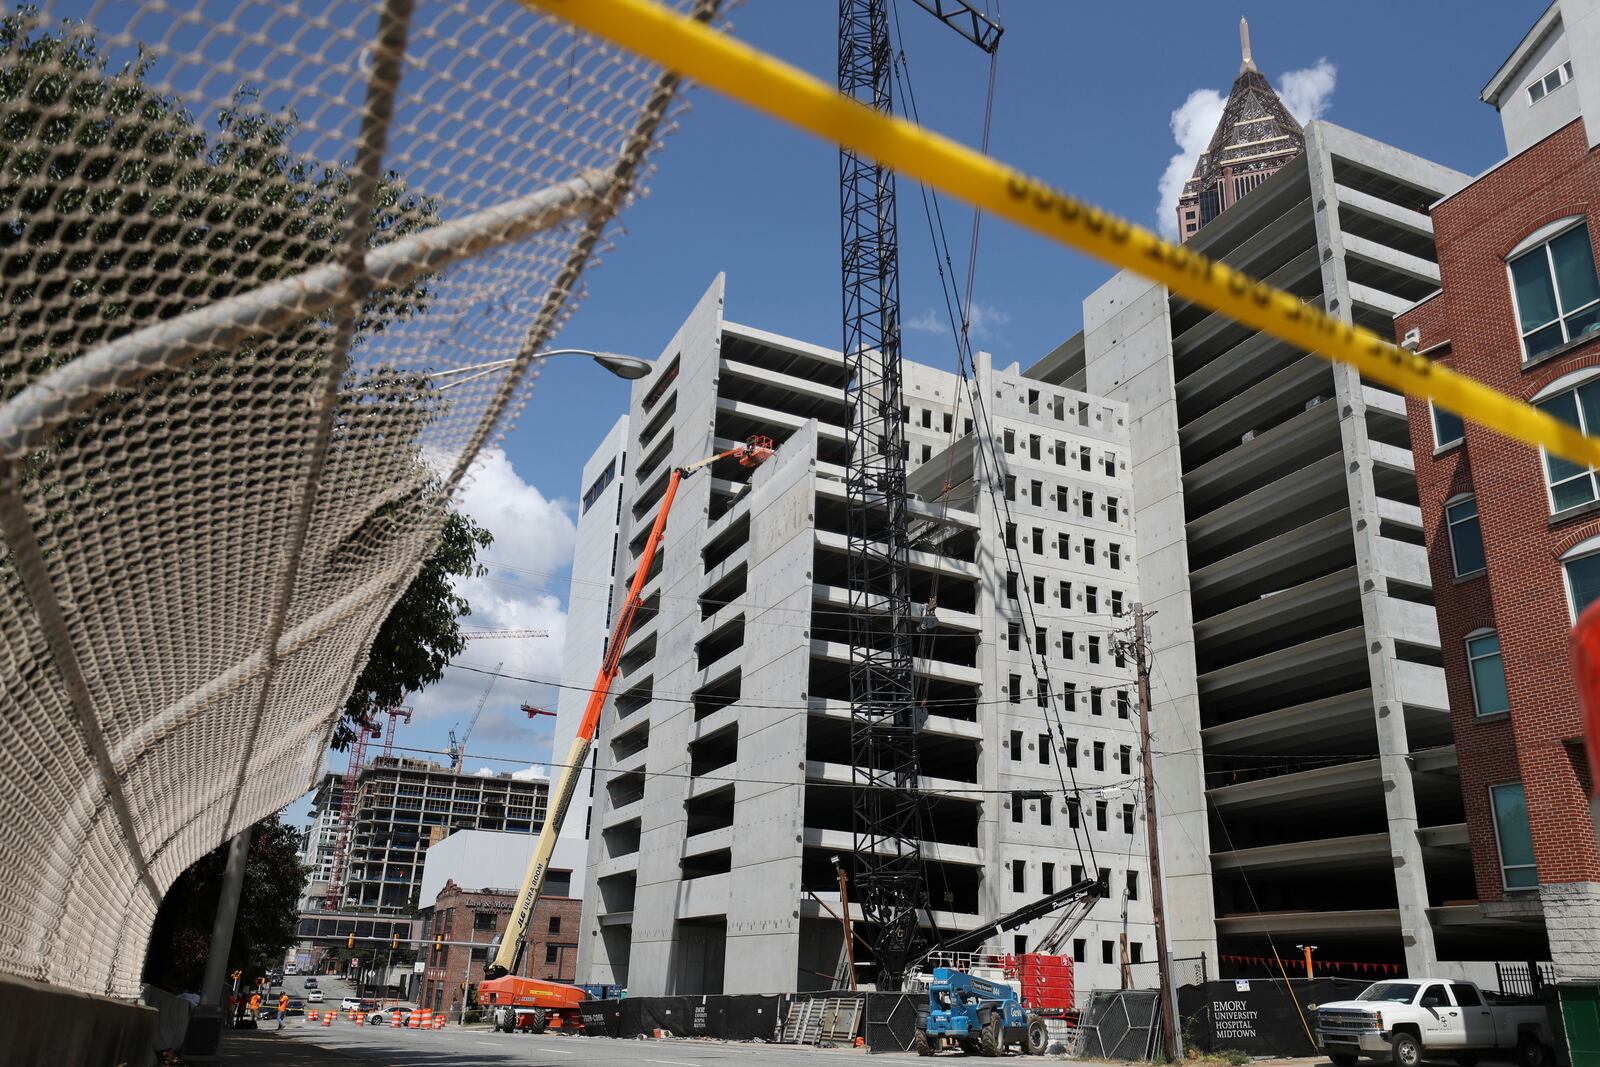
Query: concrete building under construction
{"type": "Point", "coordinates": [1307, 774]}
{"type": "Point", "coordinates": [404, 805]}
{"type": "Point", "coordinates": [722, 783]}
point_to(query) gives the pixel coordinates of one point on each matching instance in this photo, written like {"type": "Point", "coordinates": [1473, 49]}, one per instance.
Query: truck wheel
{"type": "Point", "coordinates": [922, 1044]}
{"type": "Point", "coordinates": [1344, 1059]}
{"type": "Point", "coordinates": [540, 1022]}
{"type": "Point", "coordinates": [991, 1041]}
{"type": "Point", "coordinates": [1038, 1037]}
{"type": "Point", "coordinates": [1530, 1053]}
{"type": "Point", "coordinates": [1406, 1050]}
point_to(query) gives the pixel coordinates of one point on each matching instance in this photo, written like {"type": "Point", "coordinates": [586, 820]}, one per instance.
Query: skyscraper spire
{"type": "Point", "coordinates": [1255, 136]}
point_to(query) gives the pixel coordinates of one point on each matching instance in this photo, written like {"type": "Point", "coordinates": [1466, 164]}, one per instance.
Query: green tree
{"type": "Point", "coordinates": [268, 912]}
{"type": "Point", "coordinates": [423, 631]}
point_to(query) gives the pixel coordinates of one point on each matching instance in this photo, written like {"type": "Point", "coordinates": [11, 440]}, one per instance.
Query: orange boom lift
{"type": "Point", "coordinates": [529, 1003]}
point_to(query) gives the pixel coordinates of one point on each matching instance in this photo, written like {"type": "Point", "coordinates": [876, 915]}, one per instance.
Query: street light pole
{"type": "Point", "coordinates": [628, 368]}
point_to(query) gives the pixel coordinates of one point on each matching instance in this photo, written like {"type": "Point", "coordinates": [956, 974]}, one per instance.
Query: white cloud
{"type": "Point", "coordinates": [984, 321]}
{"type": "Point", "coordinates": [1307, 93]}
{"type": "Point", "coordinates": [1192, 127]}
{"type": "Point", "coordinates": [533, 540]}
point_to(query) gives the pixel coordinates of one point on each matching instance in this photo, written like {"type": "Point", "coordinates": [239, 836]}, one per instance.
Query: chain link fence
{"type": "Point", "coordinates": [275, 273]}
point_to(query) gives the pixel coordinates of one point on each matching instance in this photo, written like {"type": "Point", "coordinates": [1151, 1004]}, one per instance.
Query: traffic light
{"type": "Point", "coordinates": [438, 944]}
{"type": "Point", "coordinates": [351, 942]}
{"type": "Point", "coordinates": [394, 942]}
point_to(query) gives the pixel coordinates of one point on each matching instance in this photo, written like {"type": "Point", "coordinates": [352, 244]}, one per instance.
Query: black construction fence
{"type": "Point", "coordinates": [1258, 1016]}
{"type": "Point", "coordinates": [888, 1021]}
{"type": "Point", "coordinates": [729, 1018]}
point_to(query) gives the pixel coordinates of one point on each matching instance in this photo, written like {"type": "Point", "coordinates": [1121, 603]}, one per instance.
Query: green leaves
{"type": "Point", "coordinates": [423, 631]}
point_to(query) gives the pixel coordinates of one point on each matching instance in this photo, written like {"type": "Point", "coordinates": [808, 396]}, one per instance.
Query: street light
{"type": "Point", "coordinates": [628, 368]}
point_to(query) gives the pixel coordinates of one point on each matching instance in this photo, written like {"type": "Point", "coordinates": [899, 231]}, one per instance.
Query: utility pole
{"type": "Point", "coordinates": [1169, 1013]}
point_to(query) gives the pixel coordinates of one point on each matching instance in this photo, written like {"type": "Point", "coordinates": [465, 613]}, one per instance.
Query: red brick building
{"type": "Point", "coordinates": [481, 916]}
{"type": "Point", "coordinates": [1514, 536]}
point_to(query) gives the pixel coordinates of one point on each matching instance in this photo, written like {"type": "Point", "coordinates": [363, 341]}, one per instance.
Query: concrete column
{"type": "Point", "coordinates": [1411, 883]}
{"type": "Point", "coordinates": [227, 913]}
{"type": "Point", "coordinates": [1128, 356]}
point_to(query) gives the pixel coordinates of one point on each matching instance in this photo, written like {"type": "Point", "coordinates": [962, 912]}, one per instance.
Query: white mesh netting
{"type": "Point", "coordinates": [245, 246]}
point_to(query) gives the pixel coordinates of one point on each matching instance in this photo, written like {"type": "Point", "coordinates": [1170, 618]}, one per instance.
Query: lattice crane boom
{"type": "Point", "coordinates": [889, 876]}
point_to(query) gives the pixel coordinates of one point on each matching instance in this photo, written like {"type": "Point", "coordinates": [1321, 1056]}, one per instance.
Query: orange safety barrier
{"type": "Point", "coordinates": [413, 1020]}
{"type": "Point", "coordinates": [360, 1018]}
{"type": "Point", "coordinates": [327, 1018]}
{"type": "Point", "coordinates": [395, 1022]}
{"type": "Point", "coordinates": [312, 1015]}
{"type": "Point", "coordinates": [427, 1018]}
{"type": "Point", "coordinates": [438, 1021]}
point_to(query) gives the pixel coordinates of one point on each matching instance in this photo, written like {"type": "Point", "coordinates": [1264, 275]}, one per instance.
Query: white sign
{"type": "Point", "coordinates": [1241, 985]}
{"type": "Point", "coordinates": [418, 967]}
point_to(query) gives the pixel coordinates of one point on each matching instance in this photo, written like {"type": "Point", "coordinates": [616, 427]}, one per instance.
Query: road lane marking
{"type": "Point", "coordinates": [678, 1063]}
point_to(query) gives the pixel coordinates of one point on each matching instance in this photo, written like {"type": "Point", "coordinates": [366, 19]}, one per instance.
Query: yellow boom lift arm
{"type": "Point", "coordinates": [505, 960]}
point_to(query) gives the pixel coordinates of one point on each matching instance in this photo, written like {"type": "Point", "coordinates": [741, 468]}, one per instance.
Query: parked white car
{"type": "Point", "coordinates": [1403, 1021]}
{"type": "Point", "coordinates": [350, 1004]}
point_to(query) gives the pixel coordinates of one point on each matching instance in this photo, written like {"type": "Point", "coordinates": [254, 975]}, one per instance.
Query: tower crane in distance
{"type": "Point", "coordinates": [532, 1003]}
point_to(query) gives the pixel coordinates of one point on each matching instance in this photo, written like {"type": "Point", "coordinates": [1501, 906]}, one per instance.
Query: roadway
{"type": "Point", "coordinates": [482, 1046]}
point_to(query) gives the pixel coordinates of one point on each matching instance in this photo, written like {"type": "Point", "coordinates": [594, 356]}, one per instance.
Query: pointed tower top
{"type": "Point", "coordinates": [1244, 47]}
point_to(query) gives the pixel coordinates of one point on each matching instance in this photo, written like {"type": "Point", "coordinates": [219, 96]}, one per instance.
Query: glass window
{"type": "Point", "coordinates": [1489, 695]}
{"type": "Point", "coordinates": [1583, 581]}
{"type": "Point", "coordinates": [1570, 484]}
{"type": "Point", "coordinates": [1466, 537]}
{"type": "Point", "coordinates": [1517, 868]}
{"type": "Point", "coordinates": [1019, 874]}
{"type": "Point", "coordinates": [1557, 291]}
{"type": "Point", "coordinates": [1466, 996]}
{"type": "Point", "coordinates": [1447, 427]}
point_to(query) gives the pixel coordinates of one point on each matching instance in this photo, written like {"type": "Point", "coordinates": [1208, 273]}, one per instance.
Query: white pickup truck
{"type": "Point", "coordinates": [1406, 1021]}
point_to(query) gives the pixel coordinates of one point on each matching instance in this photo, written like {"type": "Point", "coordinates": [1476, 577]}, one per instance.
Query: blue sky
{"type": "Point", "coordinates": [1085, 97]}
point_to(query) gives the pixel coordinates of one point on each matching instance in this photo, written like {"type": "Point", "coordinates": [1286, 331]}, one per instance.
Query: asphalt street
{"type": "Point", "coordinates": [483, 1046]}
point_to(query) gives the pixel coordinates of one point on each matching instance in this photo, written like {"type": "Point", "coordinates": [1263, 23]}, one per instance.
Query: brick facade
{"type": "Point", "coordinates": [1471, 326]}
{"type": "Point", "coordinates": [481, 916]}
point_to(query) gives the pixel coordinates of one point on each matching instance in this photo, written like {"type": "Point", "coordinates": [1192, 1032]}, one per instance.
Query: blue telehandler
{"type": "Point", "coordinates": [984, 1017]}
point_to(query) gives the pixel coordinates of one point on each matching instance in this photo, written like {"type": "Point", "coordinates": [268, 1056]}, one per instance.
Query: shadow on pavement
{"type": "Point", "coordinates": [243, 1048]}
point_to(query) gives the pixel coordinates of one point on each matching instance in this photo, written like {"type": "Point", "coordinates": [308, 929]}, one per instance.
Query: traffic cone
{"type": "Point", "coordinates": [438, 1021]}
{"type": "Point", "coordinates": [427, 1018]}
{"type": "Point", "coordinates": [394, 1020]}
{"type": "Point", "coordinates": [360, 1018]}
{"type": "Point", "coordinates": [312, 1015]}
{"type": "Point", "coordinates": [327, 1018]}
{"type": "Point", "coordinates": [413, 1021]}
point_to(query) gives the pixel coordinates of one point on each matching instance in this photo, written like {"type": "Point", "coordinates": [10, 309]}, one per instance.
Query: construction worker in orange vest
{"type": "Point", "coordinates": [283, 1008]}
{"type": "Point", "coordinates": [255, 1005]}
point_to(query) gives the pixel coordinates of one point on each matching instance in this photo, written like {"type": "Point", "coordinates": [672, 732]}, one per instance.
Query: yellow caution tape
{"type": "Point", "coordinates": [785, 92]}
